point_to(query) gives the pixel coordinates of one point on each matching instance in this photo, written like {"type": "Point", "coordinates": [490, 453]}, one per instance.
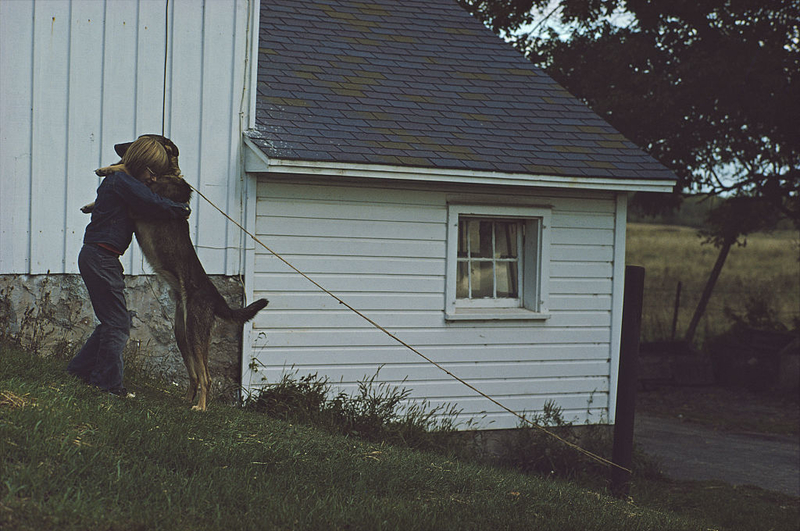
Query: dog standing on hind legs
{"type": "Point", "coordinates": [168, 249]}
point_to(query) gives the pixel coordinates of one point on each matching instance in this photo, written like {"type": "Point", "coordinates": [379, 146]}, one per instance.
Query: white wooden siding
{"type": "Point", "coordinates": [381, 248]}
{"type": "Point", "coordinates": [78, 76]}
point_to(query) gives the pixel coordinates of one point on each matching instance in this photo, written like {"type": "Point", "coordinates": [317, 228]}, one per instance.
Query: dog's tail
{"type": "Point", "coordinates": [239, 315]}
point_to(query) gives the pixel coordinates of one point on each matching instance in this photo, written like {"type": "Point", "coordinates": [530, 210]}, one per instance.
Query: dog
{"type": "Point", "coordinates": [168, 249]}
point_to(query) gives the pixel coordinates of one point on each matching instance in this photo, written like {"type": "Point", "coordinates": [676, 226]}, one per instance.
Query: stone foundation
{"type": "Point", "coordinates": [51, 315]}
{"type": "Point", "coordinates": [494, 446]}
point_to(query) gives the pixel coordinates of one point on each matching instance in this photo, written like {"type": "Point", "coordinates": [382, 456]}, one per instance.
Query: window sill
{"type": "Point", "coordinates": [495, 314]}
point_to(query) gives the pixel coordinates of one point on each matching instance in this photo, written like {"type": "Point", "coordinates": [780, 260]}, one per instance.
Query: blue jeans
{"type": "Point", "coordinates": [99, 362]}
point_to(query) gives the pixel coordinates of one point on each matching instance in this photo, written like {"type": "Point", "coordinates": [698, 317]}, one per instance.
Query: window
{"type": "Point", "coordinates": [489, 252]}
{"type": "Point", "coordinates": [497, 262]}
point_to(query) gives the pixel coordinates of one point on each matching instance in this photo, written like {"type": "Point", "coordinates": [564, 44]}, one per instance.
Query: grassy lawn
{"type": "Point", "coordinates": [73, 458]}
{"type": "Point", "coordinates": [763, 274]}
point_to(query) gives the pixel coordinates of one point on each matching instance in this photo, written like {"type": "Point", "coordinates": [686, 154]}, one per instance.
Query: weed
{"type": "Point", "coordinates": [536, 451]}
{"type": "Point", "coordinates": [44, 328]}
{"type": "Point", "coordinates": [377, 412]}
{"type": "Point", "coordinates": [531, 450]}
{"type": "Point", "coordinates": [297, 399]}
{"type": "Point", "coordinates": [759, 311]}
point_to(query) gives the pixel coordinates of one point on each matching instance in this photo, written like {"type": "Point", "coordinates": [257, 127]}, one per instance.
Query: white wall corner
{"type": "Point", "coordinates": [250, 185]}
{"type": "Point", "coordinates": [617, 299]}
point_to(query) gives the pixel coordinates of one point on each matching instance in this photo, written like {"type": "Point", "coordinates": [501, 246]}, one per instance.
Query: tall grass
{"type": "Point", "coordinates": [378, 412]}
{"type": "Point", "coordinates": [764, 272]}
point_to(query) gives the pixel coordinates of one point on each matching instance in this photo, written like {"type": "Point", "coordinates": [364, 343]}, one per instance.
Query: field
{"type": "Point", "coordinates": [762, 278]}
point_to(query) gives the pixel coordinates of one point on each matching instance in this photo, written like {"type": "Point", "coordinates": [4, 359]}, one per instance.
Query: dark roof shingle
{"type": "Point", "coordinates": [421, 83]}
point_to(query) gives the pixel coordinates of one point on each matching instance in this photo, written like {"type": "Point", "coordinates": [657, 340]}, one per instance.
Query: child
{"type": "Point", "coordinates": [107, 236]}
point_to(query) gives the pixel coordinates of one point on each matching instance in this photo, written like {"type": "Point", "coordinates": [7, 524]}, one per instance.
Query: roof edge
{"type": "Point", "coordinates": [256, 161]}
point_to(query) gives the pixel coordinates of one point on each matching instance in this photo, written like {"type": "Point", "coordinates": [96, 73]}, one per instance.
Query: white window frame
{"type": "Point", "coordinates": [534, 268]}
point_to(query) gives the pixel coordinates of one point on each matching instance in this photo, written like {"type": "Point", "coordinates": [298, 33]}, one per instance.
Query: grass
{"type": "Point", "coordinates": [75, 458]}
{"type": "Point", "coordinates": [765, 272]}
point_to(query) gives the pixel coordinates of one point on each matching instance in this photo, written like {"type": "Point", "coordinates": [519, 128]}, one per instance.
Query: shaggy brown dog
{"type": "Point", "coordinates": [168, 249]}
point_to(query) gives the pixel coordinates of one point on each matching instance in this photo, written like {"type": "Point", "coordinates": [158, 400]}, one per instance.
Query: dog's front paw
{"type": "Point", "coordinates": [108, 170]}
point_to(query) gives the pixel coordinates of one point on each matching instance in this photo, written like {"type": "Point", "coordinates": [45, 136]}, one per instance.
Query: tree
{"type": "Point", "coordinates": [710, 89]}
{"type": "Point", "coordinates": [729, 224]}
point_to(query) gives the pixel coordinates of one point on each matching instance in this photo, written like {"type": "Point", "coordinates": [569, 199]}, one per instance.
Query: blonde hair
{"type": "Point", "coordinates": [146, 152]}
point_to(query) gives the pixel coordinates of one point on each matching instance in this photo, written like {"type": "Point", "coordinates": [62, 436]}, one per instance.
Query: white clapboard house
{"type": "Point", "coordinates": [395, 151]}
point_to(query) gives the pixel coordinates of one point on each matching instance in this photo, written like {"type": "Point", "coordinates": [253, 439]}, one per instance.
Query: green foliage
{"type": "Point", "coordinates": [504, 16]}
{"type": "Point", "coordinates": [377, 412]}
{"type": "Point", "coordinates": [737, 217]}
{"type": "Point", "coordinates": [708, 88]}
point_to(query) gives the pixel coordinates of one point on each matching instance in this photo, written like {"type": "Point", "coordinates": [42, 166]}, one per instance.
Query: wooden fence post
{"type": "Point", "coordinates": [676, 310]}
{"type": "Point", "coordinates": [622, 453]}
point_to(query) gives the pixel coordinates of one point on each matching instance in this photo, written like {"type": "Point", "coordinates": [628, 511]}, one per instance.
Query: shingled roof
{"type": "Point", "coordinates": [422, 84]}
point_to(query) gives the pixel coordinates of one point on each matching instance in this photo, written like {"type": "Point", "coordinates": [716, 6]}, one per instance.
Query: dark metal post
{"type": "Point", "coordinates": [626, 386]}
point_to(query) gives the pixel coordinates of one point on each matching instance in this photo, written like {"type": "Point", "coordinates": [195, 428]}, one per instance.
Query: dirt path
{"type": "Point", "coordinates": [691, 451]}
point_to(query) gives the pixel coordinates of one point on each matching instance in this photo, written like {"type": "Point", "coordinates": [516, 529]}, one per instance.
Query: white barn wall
{"type": "Point", "coordinates": [16, 100]}
{"type": "Point", "coordinates": [382, 249]}
{"type": "Point", "coordinates": [78, 76]}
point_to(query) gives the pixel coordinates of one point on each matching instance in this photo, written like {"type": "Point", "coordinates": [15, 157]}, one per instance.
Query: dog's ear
{"type": "Point", "coordinates": [172, 149]}
{"type": "Point", "coordinates": [122, 148]}
{"type": "Point", "coordinates": [169, 145]}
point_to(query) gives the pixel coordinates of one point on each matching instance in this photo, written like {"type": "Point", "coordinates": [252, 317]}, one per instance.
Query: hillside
{"type": "Point", "coordinates": [75, 458]}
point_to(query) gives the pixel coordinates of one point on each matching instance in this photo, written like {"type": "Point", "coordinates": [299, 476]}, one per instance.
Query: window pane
{"type": "Point", "coordinates": [462, 237]}
{"type": "Point", "coordinates": [462, 281]}
{"type": "Point", "coordinates": [487, 246]}
{"type": "Point", "coordinates": [482, 280]}
{"type": "Point", "coordinates": [474, 237]}
{"type": "Point", "coordinates": [506, 239]}
{"type": "Point", "coordinates": [507, 280]}
{"type": "Point", "coordinates": [480, 238]}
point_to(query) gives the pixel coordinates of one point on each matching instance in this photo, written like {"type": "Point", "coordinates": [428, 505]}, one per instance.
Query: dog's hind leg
{"type": "Point", "coordinates": [184, 345]}
{"type": "Point", "coordinates": [199, 322]}
{"type": "Point", "coordinates": [204, 379]}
